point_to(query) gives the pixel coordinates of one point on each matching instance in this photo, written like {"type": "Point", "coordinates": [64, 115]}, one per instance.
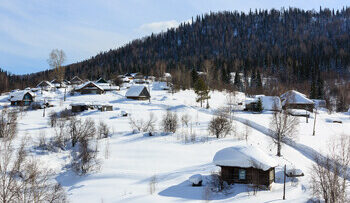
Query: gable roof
{"type": "Point", "coordinates": [244, 156]}
{"type": "Point", "coordinates": [76, 78]}
{"type": "Point", "coordinates": [19, 95]}
{"type": "Point", "coordinates": [45, 83]}
{"type": "Point", "coordinates": [295, 97]}
{"type": "Point", "coordinates": [88, 83]}
{"type": "Point", "coordinates": [136, 90]}
{"type": "Point", "coordinates": [101, 80]}
{"type": "Point", "coordinates": [268, 102]}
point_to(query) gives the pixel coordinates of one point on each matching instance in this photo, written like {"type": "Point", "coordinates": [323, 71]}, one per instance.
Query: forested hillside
{"type": "Point", "coordinates": [294, 45]}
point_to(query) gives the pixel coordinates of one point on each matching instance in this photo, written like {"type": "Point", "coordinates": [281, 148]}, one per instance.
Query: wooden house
{"type": "Point", "coordinates": [138, 92]}
{"type": "Point", "coordinates": [76, 81]}
{"type": "Point", "coordinates": [22, 98]}
{"type": "Point", "coordinates": [45, 85]}
{"type": "Point", "coordinates": [296, 100]}
{"type": "Point", "coordinates": [58, 84]}
{"type": "Point", "coordinates": [101, 80]}
{"type": "Point", "coordinates": [246, 165]}
{"type": "Point", "coordinates": [89, 88]}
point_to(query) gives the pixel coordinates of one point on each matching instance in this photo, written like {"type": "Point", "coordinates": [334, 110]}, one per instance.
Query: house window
{"type": "Point", "coordinates": [242, 174]}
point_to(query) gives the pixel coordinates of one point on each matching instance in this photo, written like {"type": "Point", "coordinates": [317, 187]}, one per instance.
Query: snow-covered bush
{"type": "Point", "coordinates": [220, 126]}
{"type": "Point", "coordinates": [170, 122]}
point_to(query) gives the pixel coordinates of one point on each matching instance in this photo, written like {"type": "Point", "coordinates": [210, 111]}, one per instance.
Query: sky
{"type": "Point", "coordinates": [29, 30]}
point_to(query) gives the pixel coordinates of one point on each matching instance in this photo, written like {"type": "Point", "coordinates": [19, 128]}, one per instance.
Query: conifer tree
{"type": "Point", "coordinates": [194, 76]}
{"type": "Point", "coordinates": [259, 106]}
{"type": "Point", "coordinates": [202, 91]}
{"type": "Point", "coordinates": [238, 82]}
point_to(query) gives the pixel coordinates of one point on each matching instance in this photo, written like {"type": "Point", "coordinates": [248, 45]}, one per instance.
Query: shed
{"type": "Point", "coordinates": [296, 100]}
{"type": "Point", "coordinates": [89, 88]}
{"type": "Point", "coordinates": [245, 164]}
{"type": "Point", "coordinates": [79, 107]}
{"type": "Point", "coordinates": [21, 98]}
{"type": "Point", "coordinates": [138, 92]}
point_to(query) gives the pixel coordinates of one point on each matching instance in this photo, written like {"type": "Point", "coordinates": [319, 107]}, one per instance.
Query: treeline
{"type": "Point", "coordinates": [293, 45]}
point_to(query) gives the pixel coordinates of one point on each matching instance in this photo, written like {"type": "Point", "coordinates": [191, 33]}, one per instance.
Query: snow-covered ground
{"type": "Point", "coordinates": [131, 162]}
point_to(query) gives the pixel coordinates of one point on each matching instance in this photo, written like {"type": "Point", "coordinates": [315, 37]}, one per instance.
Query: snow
{"type": "Point", "coordinates": [196, 179]}
{"type": "Point", "coordinates": [295, 97]}
{"type": "Point", "coordinates": [270, 103]}
{"type": "Point", "coordinates": [298, 112]}
{"type": "Point", "coordinates": [244, 156]}
{"type": "Point", "coordinates": [135, 90]}
{"type": "Point", "coordinates": [134, 158]}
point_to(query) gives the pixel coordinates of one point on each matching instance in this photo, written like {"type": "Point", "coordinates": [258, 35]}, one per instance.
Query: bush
{"type": "Point", "coordinates": [220, 126]}
{"type": "Point", "coordinates": [8, 123]}
{"type": "Point", "coordinates": [170, 122]}
{"type": "Point", "coordinates": [141, 125]}
{"type": "Point", "coordinates": [103, 130]}
{"type": "Point", "coordinates": [53, 116]}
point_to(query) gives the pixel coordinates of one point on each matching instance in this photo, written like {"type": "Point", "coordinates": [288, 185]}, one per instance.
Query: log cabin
{"type": "Point", "coordinates": [246, 165]}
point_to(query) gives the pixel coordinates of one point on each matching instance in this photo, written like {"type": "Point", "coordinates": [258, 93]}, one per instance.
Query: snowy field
{"type": "Point", "coordinates": [130, 161]}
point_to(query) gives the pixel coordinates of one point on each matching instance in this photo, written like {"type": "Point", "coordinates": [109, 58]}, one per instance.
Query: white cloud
{"type": "Point", "coordinates": [156, 27]}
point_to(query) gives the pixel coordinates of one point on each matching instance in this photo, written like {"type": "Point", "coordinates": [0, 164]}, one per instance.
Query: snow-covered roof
{"type": "Point", "coordinates": [167, 75]}
{"type": "Point", "coordinates": [76, 78]}
{"type": "Point", "coordinates": [135, 91]}
{"type": "Point", "coordinates": [87, 83]}
{"type": "Point", "coordinates": [268, 102]}
{"type": "Point", "coordinates": [18, 96]}
{"type": "Point", "coordinates": [244, 156]}
{"type": "Point", "coordinates": [295, 97]}
{"type": "Point", "coordinates": [45, 83]}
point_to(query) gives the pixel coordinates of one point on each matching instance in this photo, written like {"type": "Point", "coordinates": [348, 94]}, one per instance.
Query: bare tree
{"type": "Point", "coordinates": [170, 122]}
{"type": "Point", "coordinates": [53, 118]}
{"type": "Point", "coordinates": [56, 59]}
{"type": "Point", "coordinates": [283, 128]}
{"type": "Point", "coordinates": [22, 180]}
{"type": "Point", "coordinates": [329, 178]}
{"type": "Point", "coordinates": [103, 130]}
{"type": "Point", "coordinates": [185, 119]}
{"type": "Point", "coordinates": [8, 123]}
{"type": "Point", "coordinates": [219, 126]}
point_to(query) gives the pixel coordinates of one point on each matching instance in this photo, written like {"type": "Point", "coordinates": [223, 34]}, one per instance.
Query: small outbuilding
{"type": "Point", "coordinates": [22, 98]}
{"type": "Point", "coordinates": [245, 164]}
{"type": "Point", "coordinates": [138, 92]}
{"type": "Point", "coordinates": [80, 107]}
{"type": "Point", "coordinates": [296, 100]}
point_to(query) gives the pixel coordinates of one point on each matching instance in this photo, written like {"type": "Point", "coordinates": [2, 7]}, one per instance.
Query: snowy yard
{"type": "Point", "coordinates": [132, 162]}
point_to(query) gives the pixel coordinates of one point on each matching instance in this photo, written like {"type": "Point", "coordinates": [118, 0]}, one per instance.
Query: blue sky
{"type": "Point", "coordinates": [29, 30]}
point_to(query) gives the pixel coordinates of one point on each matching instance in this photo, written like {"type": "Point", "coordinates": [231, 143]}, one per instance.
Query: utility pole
{"type": "Point", "coordinates": [44, 108]}
{"type": "Point", "coordinates": [284, 183]}
{"type": "Point", "coordinates": [65, 92]}
{"type": "Point", "coordinates": [313, 133]}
